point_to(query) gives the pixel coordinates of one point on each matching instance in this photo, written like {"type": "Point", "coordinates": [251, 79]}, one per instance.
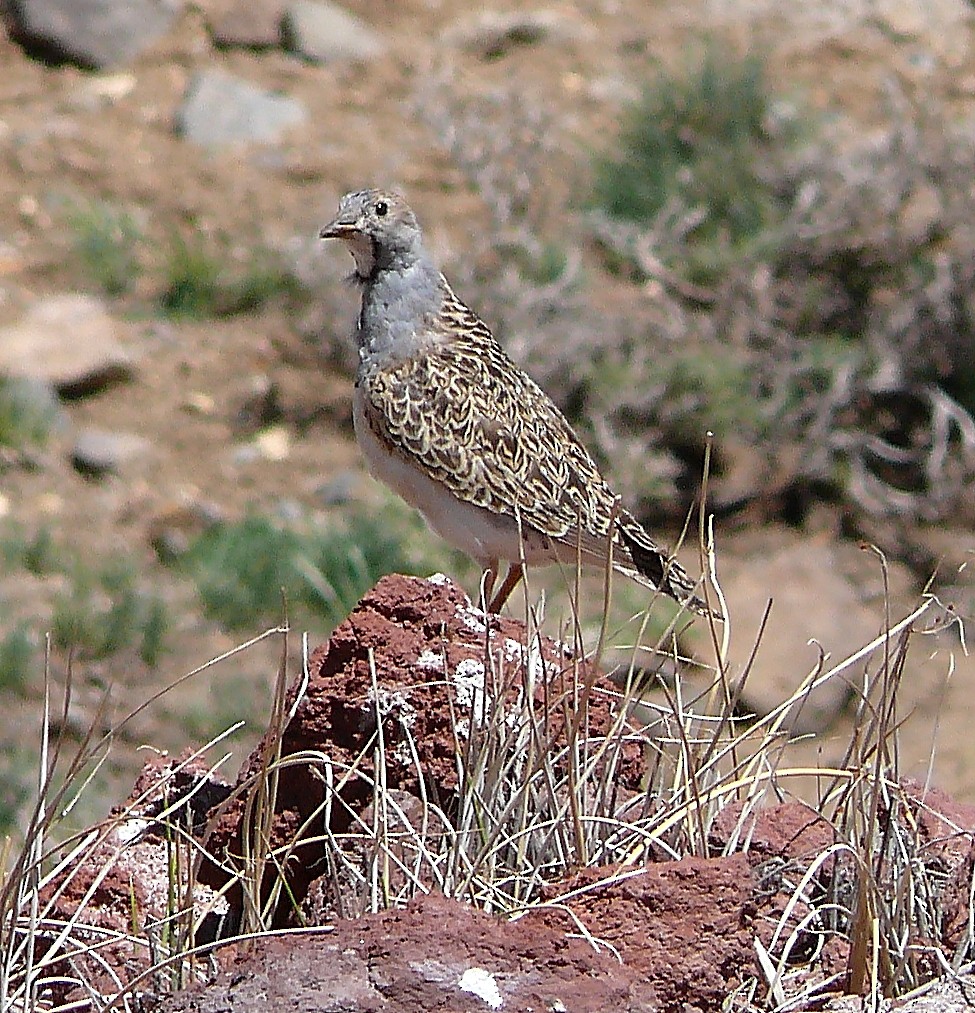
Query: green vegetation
{"type": "Point", "coordinates": [264, 279]}
{"type": "Point", "coordinates": [96, 610]}
{"type": "Point", "coordinates": [783, 287]}
{"type": "Point", "coordinates": [17, 650]}
{"type": "Point", "coordinates": [37, 554]}
{"type": "Point", "coordinates": [242, 569]}
{"type": "Point", "coordinates": [710, 392]}
{"type": "Point", "coordinates": [696, 152]}
{"type": "Point", "coordinates": [542, 264]}
{"type": "Point", "coordinates": [234, 699]}
{"type": "Point", "coordinates": [193, 280]}
{"type": "Point", "coordinates": [194, 275]}
{"type": "Point", "coordinates": [107, 241]}
{"type": "Point", "coordinates": [18, 775]}
{"type": "Point", "coordinates": [104, 611]}
{"type": "Point", "coordinates": [695, 146]}
{"type": "Point", "coordinates": [28, 413]}
{"type": "Point", "coordinates": [198, 282]}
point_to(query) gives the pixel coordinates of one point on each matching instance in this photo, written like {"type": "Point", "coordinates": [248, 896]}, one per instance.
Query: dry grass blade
{"type": "Point", "coordinates": [43, 954]}
{"type": "Point", "coordinates": [538, 795]}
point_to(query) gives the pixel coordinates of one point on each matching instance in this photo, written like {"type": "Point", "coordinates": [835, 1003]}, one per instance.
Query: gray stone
{"type": "Point", "coordinates": [289, 510]}
{"type": "Point", "coordinates": [95, 33]}
{"type": "Point", "coordinates": [67, 341]}
{"type": "Point", "coordinates": [98, 452]}
{"type": "Point", "coordinates": [222, 109]}
{"type": "Point", "coordinates": [98, 91]}
{"type": "Point", "coordinates": [339, 489]}
{"type": "Point", "coordinates": [322, 32]}
{"type": "Point", "coordinates": [253, 24]}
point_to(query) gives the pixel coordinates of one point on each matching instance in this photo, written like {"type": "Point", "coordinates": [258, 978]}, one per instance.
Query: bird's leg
{"type": "Point", "coordinates": [515, 572]}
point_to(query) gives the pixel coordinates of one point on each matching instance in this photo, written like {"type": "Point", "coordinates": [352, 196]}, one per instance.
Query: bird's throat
{"type": "Point", "coordinates": [397, 305]}
{"type": "Point", "coordinates": [363, 249]}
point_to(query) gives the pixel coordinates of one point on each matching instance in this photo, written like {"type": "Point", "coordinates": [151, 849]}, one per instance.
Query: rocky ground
{"type": "Point", "coordinates": [232, 128]}
{"type": "Point", "coordinates": [642, 922]}
{"type": "Point", "coordinates": [212, 122]}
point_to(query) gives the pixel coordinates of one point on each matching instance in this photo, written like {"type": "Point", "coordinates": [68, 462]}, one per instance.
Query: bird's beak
{"type": "Point", "coordinates": [338, 228]}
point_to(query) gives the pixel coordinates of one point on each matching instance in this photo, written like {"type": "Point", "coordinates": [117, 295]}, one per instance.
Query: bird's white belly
{"type": "Point", "coordinates": [481, 534]}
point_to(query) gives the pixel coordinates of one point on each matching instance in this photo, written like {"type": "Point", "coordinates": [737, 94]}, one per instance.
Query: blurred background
{"type": "Point", "coordinates": [729, 216]}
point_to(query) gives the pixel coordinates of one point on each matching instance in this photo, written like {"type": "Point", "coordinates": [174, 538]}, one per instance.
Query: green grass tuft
{"type": "Point", "coordinates": [199, 282]}
{"type": "Point", "coordinates": [38, 554]}
{"type": "Point", "coordinates": [104, 611]}
{"type": "Point", "coordinates": [241, 569]}
{"type": "Point", "coordinates": [28, 413]}
{"type": "Point", "coordinates": [193, 280]}
{"type": "Point", "coordinates": [41, 555]}
{"type": "Point", "coordinates": [106, 239]}
{"type": "Point", "coordinates": [96, 611]}
{"type": "Point", "coordinates": [17, 649]}
{"type": "Point", "coordinates": [695, 144]}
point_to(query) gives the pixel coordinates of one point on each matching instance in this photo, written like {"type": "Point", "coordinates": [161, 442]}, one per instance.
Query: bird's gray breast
{"type": "Point", "coordinates": [398, 308]}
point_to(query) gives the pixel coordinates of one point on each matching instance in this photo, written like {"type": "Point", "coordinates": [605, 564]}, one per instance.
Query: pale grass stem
{"type": "Point", "coordinates": [537, 797]}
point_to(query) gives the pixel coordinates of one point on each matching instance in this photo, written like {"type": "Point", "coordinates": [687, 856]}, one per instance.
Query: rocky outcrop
{"type": "Point", "coordinates": [437, 954]}
{"type": "Point", "coordinates": [419, 663]}
{"type": "Point", "coordinates": [368, 800]}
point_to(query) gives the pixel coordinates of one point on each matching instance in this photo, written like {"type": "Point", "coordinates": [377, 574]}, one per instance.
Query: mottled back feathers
{"type": "Point", "coordinates": [438, 390]}
{"type": "Point", "coordinates": [502, 444]}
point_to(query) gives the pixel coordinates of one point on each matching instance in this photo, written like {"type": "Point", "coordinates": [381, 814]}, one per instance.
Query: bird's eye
{"type": "Point", "coordinates": [382, 208]}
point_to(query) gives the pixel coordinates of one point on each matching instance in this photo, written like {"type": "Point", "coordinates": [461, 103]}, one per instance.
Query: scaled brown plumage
{"type": "Point", "coordinates": [440, 395]}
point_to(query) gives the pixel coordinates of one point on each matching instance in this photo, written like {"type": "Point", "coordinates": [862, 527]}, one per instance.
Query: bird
{"type": "Point", "coordinates": [448, 420]}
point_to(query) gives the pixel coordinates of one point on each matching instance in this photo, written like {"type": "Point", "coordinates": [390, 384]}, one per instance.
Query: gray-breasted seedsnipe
{"type": "Point", "coordinates": [447, 420]}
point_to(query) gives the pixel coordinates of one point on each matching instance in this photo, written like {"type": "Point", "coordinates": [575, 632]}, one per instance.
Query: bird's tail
{"type": "Point", "coordinates": [663, 572]}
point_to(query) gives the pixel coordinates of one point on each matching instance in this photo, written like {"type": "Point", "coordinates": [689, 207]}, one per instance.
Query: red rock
{"type": "Point", "coordinates": [687, 927]}
{"type": "Point", "coordinates": [418, 959]}
{"type": "Point", "coordinates": [122, 883]}
{"type": "Point", "coordinates": [413, 651]}
{"type": "Point", "coordinates": [790, 830]}
{"type": "Point", "coordinates": [417, 660]}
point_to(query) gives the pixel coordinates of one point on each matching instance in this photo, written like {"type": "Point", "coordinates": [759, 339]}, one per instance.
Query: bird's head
{"type": "Point", "coordinates": [379, 229]}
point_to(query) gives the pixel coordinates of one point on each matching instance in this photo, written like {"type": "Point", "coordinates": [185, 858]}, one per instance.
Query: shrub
{"type": "Point", "coordinates": [242, 569]}
{"type": "Point", "coordinates": [106, 239]}
{"type": "Point", "coordinates": [695, 146]}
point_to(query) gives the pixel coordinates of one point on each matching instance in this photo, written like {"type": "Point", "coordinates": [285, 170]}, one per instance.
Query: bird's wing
{"type": "Point", "coordinates": [464, 414]}
{"type": "Point", "coordinates": [470, 419]}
